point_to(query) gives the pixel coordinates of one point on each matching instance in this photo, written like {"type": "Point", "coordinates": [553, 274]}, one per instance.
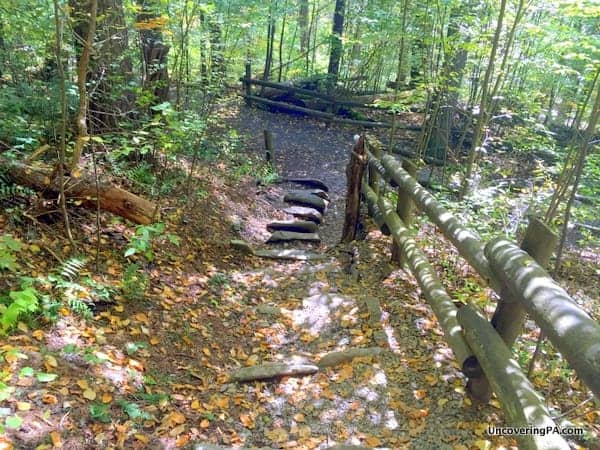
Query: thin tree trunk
{"type": "Point", "coordinates": [483, 113]}
{"type": "Point", "coordinates": [587, 137]}
{"type": "Point", "coordinates": [303, 25]}
{"type": "Point", "coordinates": [82, 74]}
{"type": "Point", "coordinates": [281, 36]}
{"type": "Point", "coordinates": [63, 123]}
{"type": "Point", "coordinates": [335, 54]}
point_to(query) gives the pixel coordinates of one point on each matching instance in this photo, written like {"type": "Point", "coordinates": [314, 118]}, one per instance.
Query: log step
{"type": "Point", "coordinates": [317, 184]}
{"type": "Point", "coordinates": [318, 192]}
{"type": "Point", "coordinates": [285, 236]}
{"type": "Point", "coordinates": [305, 213]}
{"type": "Point", "coordinates": [289, 254]}
{"type": "Point", "coordinates": [306, 199]}
{"type": "Point", "coordinates": [301, 226]}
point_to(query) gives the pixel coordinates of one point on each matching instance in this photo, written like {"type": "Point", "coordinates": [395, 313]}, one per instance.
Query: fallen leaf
{"type": "Point", "coordinates": [23, 406]}
{"type": "Point", "coordinates": [56, 441]}
{"type": "Point", "coordinates": [83, 384]}
{"type": "Point", "coordinates": [89, 394]}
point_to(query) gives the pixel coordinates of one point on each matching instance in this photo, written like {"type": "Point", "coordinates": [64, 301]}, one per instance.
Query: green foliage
{"type": "Point", "coordinates": [21, 303]}
{"type": "Point", "coordinates": [8, 250]}
{"type": "Point", "coordinates": [100, 412]}
{"type": "Point", "coordinates": [143, 239]}
{"type": "Point", "coordinates": [134, 282]}
{"type": "Point", "coordinates": [133, 410]}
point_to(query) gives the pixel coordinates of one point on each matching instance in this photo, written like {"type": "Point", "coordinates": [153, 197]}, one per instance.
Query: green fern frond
{"type": "Point", "coordinates": [80, 308]}
{"type": "Point", "coordinates": [71, 268]}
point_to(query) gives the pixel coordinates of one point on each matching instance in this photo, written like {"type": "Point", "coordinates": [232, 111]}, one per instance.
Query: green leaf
{"type": "Point", "coordinates": [26, 372]}
{"type": "Point", "coordinates": [130, 251]}
{"type": "Point", "coordinates": [13, 422]}
{"type": "Point", "coordinates": [44, 377]}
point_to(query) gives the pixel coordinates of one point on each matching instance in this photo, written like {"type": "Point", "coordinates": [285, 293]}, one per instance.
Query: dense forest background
{"type": "Point", "coordinates": [131, 153]}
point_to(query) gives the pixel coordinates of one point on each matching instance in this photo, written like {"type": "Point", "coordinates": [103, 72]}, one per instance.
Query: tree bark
{"type": "Point", "coordinates": [335, 54]}
{"type": "Point", "coordinates": [112, 198]}
{"type": "Point", "coordinates": [154, 52]}
{"type": "Point", "coordinates": [483, 112]}
{"type": "Point", "coordinates": [85, 31]}
{"type": "Point", "coordinates": [303, 25]}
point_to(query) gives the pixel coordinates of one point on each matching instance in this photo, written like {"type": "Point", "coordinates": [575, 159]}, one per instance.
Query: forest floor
{"type": "Point", "coordinates": [155, 371]}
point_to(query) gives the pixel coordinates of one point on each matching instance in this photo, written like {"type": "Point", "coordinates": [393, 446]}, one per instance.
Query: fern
{"type": "Point", "coordinates": [71, 268]}
{"type": "Point", "coordinates": [79, 307]}
{"type": "Point", "coordinates": [12, 194]}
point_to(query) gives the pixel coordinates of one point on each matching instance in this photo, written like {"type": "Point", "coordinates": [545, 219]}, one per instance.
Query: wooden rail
{"type": "Point", "coordinates": [330, 102]}
{"type": "Point", "coordinates": [483, 348]}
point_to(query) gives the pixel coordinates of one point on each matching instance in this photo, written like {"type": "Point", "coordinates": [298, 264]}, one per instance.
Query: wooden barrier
{"type": "Point", "coordinates": [483, 351]}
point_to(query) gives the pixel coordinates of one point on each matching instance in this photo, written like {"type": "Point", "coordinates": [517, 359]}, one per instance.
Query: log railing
{"type": "Point", "coordinates": [329, 102]}
{"type": "Point", "coordinates": [482, 347]}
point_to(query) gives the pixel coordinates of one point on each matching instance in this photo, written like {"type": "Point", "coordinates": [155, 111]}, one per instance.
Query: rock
{"type": "Point", "coordinates": [273, 370]}
{"type": "Point", "coordinates": [285, 236]}
{"type": "Point", "coordinates": [305, 213]}
{"type": "Point", "coordinates": [268, 310]}
{"type": "Point", "coordinates": [306, 199]}
{"type": "Point", "coordinates": [241, 245]}
{"type": "Point", "coordinates": [303, 226]}
{"type": "Point", "coordinates": [336, 358]}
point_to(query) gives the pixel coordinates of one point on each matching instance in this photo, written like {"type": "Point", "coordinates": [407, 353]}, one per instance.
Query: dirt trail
{"type": "Point", "coordinates": [409, 396]}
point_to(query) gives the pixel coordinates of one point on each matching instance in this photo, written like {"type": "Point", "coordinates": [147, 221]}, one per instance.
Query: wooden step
{"type": "Point", "coordinates": [306, 199]}
{"type": "Point", "coordinates": [305, 213]}
{"type": "Point", "coordinates": [318, 192]}
{"type": "Point", "coordinates": [301, 226]}
{"type": "Point", "coordinates": [286, 236]}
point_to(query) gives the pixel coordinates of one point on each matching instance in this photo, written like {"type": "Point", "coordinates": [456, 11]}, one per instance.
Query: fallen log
{"type": "Point", "coordinates": [112, 198]}
{"type": "Point", "coordinates": [346, 356]}
{"type": "Point", "coordinates": [273, 370]}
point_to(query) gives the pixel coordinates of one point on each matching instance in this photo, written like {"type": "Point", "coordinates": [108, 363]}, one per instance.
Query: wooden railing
{"type": "Point", "coordinates": [330, 103]}
{"type": "Point", "coordinates": [516, 274]}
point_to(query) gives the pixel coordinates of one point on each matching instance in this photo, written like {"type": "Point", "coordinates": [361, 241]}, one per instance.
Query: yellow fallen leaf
{"type": "Point", "coordinates": [252, 360]}
{"type": "Point", "coordinates": [83, 384]}
{"type": "Point", "coordinates": [195, 405]}
{"type": "Point", "coordinates": [442, 401]}
{"type": "Point", "coordinates": [206, 351]}
{"type": "Point", "coordinates": [49, 399]}
{"type": "Point", "coordinates": [277, 435]}
{"type": "Point", "coordinates": [155, 341]}
{"type": "Point", "coordinates": [177, 430]}
{"type": "Point", "coordinates": [89, 394]}
{"type": "Point", "coordinates": [176, 418]}
{"type": "Point", "coordinates": [22, 326]}
{"type": "Point", "coordinates": [372, 441]}
{"type": "Point", "coordinates": [182, 440]}
{"type": "Point", "coordinates": [247, 420]}
{"type": "Point", "coordinates": [204, 424]}
{"type": "Point", "coordinates": [56, 441]}
{"type": "Point", "coordinates": [222, 402]}
{"type": "Point", "coordinates": [23, 406]}
{"type": "Point", "coordinates": [50, 362]}
{"type": "Point", "coordinates": [483, 444]}
{"type": "Point", "coordinates": [299, 417]}
{"type": "Point", "coordinates": [119, 308]}
{"type": "Point", "coordinates": [106, 397]}
{"type": "Point", "coordinates": [142, 438]}
{"type": "Point", "coordinates": [38, 334]}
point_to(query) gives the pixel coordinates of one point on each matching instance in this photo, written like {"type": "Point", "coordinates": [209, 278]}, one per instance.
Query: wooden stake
{"type": "Point", "coordinates": [354, 171]}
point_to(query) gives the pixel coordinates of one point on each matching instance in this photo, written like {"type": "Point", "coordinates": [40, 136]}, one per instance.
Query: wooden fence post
{"type": "Point", "coordinates": [269, 147]}
{"type": "Point", "coordinates": [509, 317]}
{"type": "Point", "coordinates": [373, 175]}
{"type": "Point", "coordinates": [247, 84]}
{"type": "Point", "coordinates": [354, 171]}
{"type": "Point", "coordinates": [404, 208]}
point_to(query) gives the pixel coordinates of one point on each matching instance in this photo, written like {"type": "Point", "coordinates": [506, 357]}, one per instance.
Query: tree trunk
{"type": "Point", "coordinates": [110, 68]}
{"type": "Point", "coordinates": [335, 54]}
{"type": "Point", "coordinates": [85, 31]}
{"type": "Point", "coordinates": [303, 25]}
{"type": "Point", "coordinates": [112, 198]}
{"type": "Point", "coordinates": [155, 52]}
{"type": "Point", "coordinates": [483, 113]}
